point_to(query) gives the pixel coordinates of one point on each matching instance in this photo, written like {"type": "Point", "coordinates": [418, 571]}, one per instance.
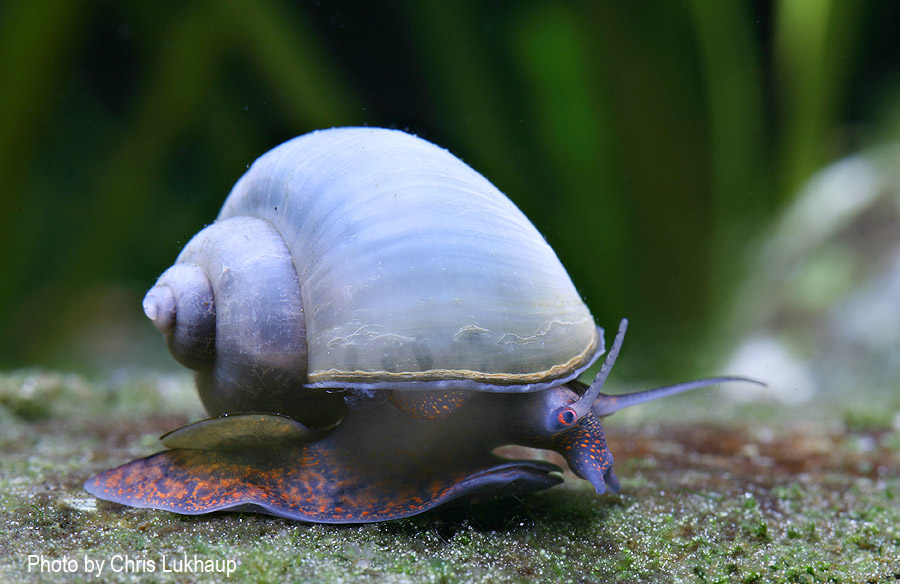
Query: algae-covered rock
{"type": "Point", "coordinates": [742, 498]}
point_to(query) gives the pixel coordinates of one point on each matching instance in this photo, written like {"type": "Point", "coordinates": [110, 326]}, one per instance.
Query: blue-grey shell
{"type": "Point", "coordinates": [413, 267]}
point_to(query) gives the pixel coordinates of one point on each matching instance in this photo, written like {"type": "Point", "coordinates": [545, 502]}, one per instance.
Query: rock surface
{"type": "Point", "coordinates": [731, 494]}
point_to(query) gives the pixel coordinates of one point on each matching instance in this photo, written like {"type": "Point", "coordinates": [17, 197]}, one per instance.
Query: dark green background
{"type": "Point", "coordinates": [651, 142]}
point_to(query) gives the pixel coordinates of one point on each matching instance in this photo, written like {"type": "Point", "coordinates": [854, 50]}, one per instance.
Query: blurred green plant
{"type": "Point", "coordinates": [648, 142]}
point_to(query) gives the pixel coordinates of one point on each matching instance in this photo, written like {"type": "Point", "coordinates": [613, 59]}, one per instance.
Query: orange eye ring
{"type": "Point", "coordinates": [567, 416]}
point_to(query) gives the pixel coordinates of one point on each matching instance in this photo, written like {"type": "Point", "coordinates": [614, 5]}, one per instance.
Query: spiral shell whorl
{"type": "Point", "coordinates": [182, 307]}
{"type": "Point", "coordinates": [246, 341]}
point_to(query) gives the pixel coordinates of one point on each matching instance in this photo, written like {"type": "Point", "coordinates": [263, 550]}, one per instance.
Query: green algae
{"type": "Point", "coordinates": [733, 499]}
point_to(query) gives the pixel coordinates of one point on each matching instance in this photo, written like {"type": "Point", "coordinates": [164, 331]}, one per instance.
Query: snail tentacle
{"type": "Point", "coordinates": [610, 404]}
{"type": "Point", "coordinates": [583, 405]}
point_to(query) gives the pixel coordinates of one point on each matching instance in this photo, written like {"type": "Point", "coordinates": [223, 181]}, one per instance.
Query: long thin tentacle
{"type": "Point", "coordinates": [609, 404]}
{"type": "Point", "coordinates": [584, 403]}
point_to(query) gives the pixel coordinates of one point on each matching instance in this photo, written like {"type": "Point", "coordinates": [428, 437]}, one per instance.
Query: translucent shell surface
{"type": "Point", "coordinates": [415, 271]}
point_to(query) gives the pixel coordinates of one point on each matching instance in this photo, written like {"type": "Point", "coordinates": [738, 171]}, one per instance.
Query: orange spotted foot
{"type": "Point", "coordinates": [301, 484]}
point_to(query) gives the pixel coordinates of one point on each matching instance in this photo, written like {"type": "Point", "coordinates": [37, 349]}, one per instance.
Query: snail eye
{"type": "Point", "coordinates": [567, 416]}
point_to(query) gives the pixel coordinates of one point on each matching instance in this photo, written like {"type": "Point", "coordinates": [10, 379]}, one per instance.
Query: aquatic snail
{"type": "Point", "coordinates": [368, 318]}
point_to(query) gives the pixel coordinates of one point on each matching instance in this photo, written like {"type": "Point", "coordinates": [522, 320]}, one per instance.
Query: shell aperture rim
{"type": "Point", "coordinates": [462, 379]}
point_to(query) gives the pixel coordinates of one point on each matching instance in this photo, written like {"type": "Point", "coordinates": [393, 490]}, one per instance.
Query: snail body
{"type": "Point", "coordinates": [367, 318]}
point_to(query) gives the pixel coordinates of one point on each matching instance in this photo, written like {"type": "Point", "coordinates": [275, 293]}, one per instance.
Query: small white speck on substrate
{"type": "Point", "coordinates": [87, 504]}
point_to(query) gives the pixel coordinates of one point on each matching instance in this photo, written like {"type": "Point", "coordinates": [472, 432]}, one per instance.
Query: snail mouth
{"type": "Point", "coordinates": [458, 379]}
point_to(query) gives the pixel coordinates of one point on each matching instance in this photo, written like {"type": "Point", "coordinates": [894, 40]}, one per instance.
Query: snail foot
{"type": "Point", "coordinates": [302, 485]}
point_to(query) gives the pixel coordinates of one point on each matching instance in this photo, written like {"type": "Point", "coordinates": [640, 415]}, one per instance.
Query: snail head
{"type": "Point", "coordinates": [563, 408]}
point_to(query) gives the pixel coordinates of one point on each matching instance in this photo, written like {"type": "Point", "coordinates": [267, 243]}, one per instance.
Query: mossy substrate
{"type": "Point", "coordinates": [719, 494]}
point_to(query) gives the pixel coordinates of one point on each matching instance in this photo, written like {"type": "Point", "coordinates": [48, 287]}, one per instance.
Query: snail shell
{"type": "Point", "coordinates": [370, 258]}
